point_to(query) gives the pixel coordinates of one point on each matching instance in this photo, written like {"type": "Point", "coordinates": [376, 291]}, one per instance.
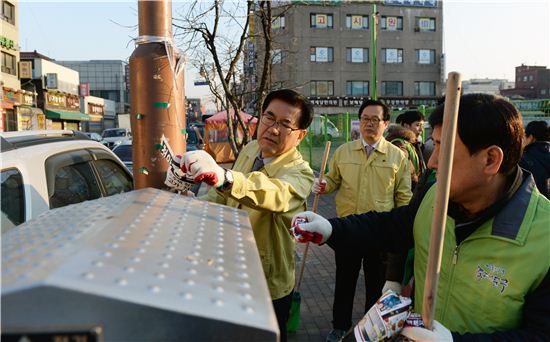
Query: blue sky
{"type": "Point", "coordinates": [481, 38]}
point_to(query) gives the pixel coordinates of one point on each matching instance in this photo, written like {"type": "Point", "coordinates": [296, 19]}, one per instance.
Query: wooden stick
{"type": "Point", "coordinates": [314, 209]}
{"type": "Point", "coordinates": [444, 173]}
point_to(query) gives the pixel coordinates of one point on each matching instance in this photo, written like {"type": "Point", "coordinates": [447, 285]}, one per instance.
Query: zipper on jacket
{"type": "Point", "coordinates": [455, 255]}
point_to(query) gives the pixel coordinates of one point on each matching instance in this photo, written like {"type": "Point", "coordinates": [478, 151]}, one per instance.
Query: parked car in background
{"type": "Point", "coordinates": [124, 152]}
{"type": "Point", "coordinates": [93, 136]}
{"type": "Point", "coordinates": [115, 136]}
{"type": "Point", "coordinates": [42, 170]}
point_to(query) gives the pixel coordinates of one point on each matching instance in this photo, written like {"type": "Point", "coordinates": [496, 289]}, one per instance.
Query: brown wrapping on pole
{"type": "Point", "coordinates": [157, 101]}
{"type": "Point", "coordinates": [444, 173]}
{"type": "Point", "coordinates": [314, 209]}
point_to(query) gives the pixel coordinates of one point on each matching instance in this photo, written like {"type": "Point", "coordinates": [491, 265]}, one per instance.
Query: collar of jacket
{"type": "Point", "coordinates": [382, 146]}
{"type": "Point", "coordinates": [289, 158]}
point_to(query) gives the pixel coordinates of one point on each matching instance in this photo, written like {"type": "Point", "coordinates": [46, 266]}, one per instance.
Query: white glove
{"type": "Point", "coordinates": [439, 333]}
{"type": "Point", "coordinates": [319, 187]}
{"type": "Point", "coordinates": [201, 167]}
{"type": "Point", "coordinates": [317, 229]}
{"type": "Point", "coordinates": [392, 285]}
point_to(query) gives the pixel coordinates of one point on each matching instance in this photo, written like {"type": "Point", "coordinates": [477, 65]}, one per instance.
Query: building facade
{"type": "Point", "coordinates": [100, 111]}
{"type": "Point", "coordinates": [486, 86]}
{"type": "Point", "coordinates": [532, 82]}
{"type": "Point", "coordinates": [324, 49]}
{"type": "Point", "coordinates": [57, 91]}
{"type": "Point", "coordinates": [105, 78]}
{"type": "Point", "coordinates": [17, 106]}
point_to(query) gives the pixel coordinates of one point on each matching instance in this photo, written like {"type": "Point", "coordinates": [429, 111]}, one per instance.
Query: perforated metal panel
{"type": "Point", "coordinates": [143, 265]}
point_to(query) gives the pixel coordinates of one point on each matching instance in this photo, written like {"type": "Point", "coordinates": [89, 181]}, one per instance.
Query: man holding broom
{"type": "Point", "coordinates": [369, 174]}
{"type": "Point", "coordinates": [494, 282]}
{"type": "Point", "coordinates": [270, 181]}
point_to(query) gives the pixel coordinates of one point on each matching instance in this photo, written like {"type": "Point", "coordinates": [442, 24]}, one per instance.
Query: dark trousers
{"type": "Point", "coordinates": [348, 266]}
{"type": "Point", "coordinates": [282, 311]}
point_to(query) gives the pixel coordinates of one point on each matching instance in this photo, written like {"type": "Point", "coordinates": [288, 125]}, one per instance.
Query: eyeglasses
{"type": "Point", "coordinates": [269, 121]}
{"type": "Point", "coordinates": [375, 120]}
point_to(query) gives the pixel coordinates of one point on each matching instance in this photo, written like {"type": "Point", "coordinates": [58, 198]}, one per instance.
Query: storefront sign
{"type": "Point", "coordinates": [73, 102]}
{"type": "Point", "coordinates": [84, 89]}
{"type": "Point", "coordinates": [25, 69]}
{"type": "Point", "coordinates": [413, 3]}
{"type": "Point", "coordinates": [352, 101]}
{"type": "Point", "coordinates": [51, 81]}
{"type": "Point", "coordinates": [95, 109]}
{"type": "Point", "coordinates": [324, 101]}
{"type": "Point", "coordinates": [7, 43]}
{"type": "Point", "coordinates": [55, 100]}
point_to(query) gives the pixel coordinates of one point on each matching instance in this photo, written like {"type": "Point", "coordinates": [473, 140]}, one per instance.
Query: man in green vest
{"type": "Point", "coordinates": [494, 283]}
{"type": "Point", "coordinates": [271, 182]}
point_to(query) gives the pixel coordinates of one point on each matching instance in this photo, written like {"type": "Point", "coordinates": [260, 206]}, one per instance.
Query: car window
{"type": "Point", "coordinates": [124, 152]}
{"type": "Point", "coordinates": [114, 178]}
{"type": "Point", "coordinates": [13, 199]}
{"type": "Point", "coordinates": [114, 133]}
{"type": "Point", "coordinates": [74, 184]}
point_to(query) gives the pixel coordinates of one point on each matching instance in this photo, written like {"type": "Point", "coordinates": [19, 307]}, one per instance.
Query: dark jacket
{"type": "Point", "coordinates": [536, 159]}
{"type": "Point", "coordinates": [372, 230]}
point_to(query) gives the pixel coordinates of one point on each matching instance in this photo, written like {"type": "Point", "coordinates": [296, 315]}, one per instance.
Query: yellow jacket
{"type": "Point", "coordinates": [379, 183]}
{"type": "Point", "coordinates": [271, 196]}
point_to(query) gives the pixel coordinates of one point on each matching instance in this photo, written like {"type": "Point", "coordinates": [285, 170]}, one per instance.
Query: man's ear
{"type": "Point", "coordinates": [494, 158]}
{"type": "Point", "coordinates": [302, 135]}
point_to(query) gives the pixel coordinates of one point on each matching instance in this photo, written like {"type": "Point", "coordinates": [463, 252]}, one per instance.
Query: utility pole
{"type": "Point", "coordinates": [157, 94]}
{"type": "Point", "coordinates": [373, 50]}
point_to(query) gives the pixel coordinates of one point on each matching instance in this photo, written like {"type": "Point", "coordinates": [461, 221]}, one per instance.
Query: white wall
{"type": "Point", "coordinates": [67, 79]}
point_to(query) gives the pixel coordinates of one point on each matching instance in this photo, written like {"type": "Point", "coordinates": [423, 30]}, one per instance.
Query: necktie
{"type": "Point", "coordinates": [369, 150]}
{"type": "Point", "coordinates": [258, 164]}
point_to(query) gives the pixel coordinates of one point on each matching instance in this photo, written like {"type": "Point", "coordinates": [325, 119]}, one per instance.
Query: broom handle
{"type": "Point", "coordinates": [437, 235]}
{"type": "Point", "coordinates": [314, 209]}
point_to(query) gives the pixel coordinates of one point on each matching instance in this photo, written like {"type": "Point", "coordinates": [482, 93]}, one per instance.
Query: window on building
{"type": "Point", "coordinates": [277, 56]}
{"type": "Point", "coordinates": [424, 88]}
{"type": "Point", "coordinates": [8, 12]}
{"type": "Point", "coordinates": [524, 78]}
{"type": "Point", "coordinates": [321, 54]}
{"type": "Point", "coordinates": [530, 77]}
{"type": "Point", "coordinates": [392, 88]}
{"type": "Point", "coordinates": [424, 56]}
{"type": "Point", "coordinates": [392, 56]}
{"type": "Point", "coordinates": [318, 20]}
{"type": "Point", "coordinates": [425, 24]}
{"type": "Point", "coordinates": [8, 64]}
{"type": "Point", "coordinates": [391, 23]}
{"type": "Point", "coordinates": [278, 22]}
{"type": "Point", "coordinates": [322, 88]}
{"type": "Point", "coordinates": [357, 22]}
{"type": "Point", "coordinates": [357, 55]}
{"type": "Point", "coordinates": [357, 88]}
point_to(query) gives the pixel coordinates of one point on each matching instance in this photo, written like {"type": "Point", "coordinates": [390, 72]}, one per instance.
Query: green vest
{"type": "Point", "coordinates": [484, 280]}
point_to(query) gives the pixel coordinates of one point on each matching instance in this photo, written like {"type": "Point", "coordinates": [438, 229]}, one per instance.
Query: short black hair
{"type": "Point", "coordinates": [485, 120]}
{"type": "Point", "coordinates": [539, 130]}
{"type": "Point", "coordinates": [409, 117]}
{"type": "Point", "coordinates": [371, 102]}
{"type": "Point", "coordinates": [295, 99]}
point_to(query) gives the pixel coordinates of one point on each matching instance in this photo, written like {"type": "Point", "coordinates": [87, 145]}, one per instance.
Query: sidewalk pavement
{"type": "Point", "coordinates": [317, 289]}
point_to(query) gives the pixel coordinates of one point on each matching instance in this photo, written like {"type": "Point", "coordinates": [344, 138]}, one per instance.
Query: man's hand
{"type": "Point", "coordinates": [439, 333]}
{"type": "Point", "coordinates": [391, 285]}
{"type": "Point", "coordinates": [201, 167]}
{"type": "Point", "coordinates": [319, 187]}
{"type": "Point", "coordinates": [317, 229]}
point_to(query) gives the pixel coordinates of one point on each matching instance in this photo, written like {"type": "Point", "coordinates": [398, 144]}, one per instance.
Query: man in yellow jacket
{"type": "Point", "coordinates": [270, 181]}
{"type": "Point", "coordinates": [369, 174]}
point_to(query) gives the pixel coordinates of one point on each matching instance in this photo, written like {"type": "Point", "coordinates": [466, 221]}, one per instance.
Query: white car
{"type": "Point", "coordinates": [42, 170]}
{"type": "Point", "coordinates": [115, 136]}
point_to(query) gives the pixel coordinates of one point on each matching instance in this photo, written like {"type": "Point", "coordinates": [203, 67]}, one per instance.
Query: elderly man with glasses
{"type": "Point", "coordinates": [270, 181]}
{"type": "Point", "coordinates": [369, 174]}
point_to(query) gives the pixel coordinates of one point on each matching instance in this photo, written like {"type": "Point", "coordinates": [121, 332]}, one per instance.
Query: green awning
{"type": "Point", "coordinates": [66, 115]}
